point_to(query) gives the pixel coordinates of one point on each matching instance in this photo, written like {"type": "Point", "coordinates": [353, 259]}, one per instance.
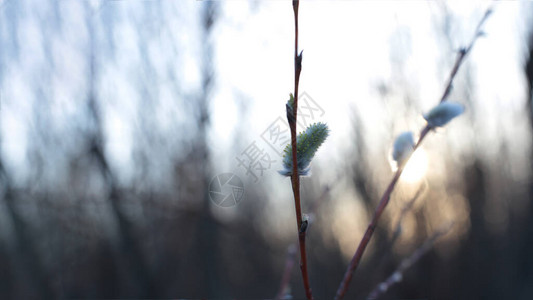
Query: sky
{"type": "Point", "coordinates": [352, 49]}
{"type": "Point", "coordinates": [362, 60]}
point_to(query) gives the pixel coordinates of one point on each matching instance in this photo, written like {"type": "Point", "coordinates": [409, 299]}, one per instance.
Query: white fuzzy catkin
{"type": "Point", "coordinates": [443, 113]}
{"type": "Point", "coordinates": [403, 147]}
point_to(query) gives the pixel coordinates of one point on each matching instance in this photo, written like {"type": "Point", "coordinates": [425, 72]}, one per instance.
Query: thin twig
{"type": "Point", "coordinates": [292, 248]}
{"type": "Point", "coordinates": [343, 287]}
{"type": "Point", "coordinates": [463, 53]}
{"type": "Point", "coordinates": [289, 263]}
{"type": "Point", "coordinates": [326, 190]}
{"type": "Point", "coordinates": [295, 178]}
{"type": "Point", "coordinates": [403, 213]}
{"type": "Point", "coordinates": [398, 228]}
{"type": "Point", "coordinates": [397, 276]}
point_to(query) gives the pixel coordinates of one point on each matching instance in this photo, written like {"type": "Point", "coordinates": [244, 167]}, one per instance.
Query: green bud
{"type": "Point", "coordinates": [307, 143]}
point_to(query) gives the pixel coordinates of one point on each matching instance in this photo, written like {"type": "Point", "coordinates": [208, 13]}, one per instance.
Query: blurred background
{"type": "Point", "coordinates": [127, 126]}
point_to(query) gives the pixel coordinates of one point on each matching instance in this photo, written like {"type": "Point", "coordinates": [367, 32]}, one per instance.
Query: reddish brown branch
{"type": "Point", "coordinates": [462, 54]}
{"type": "Point", "coordinates": [295, 178]}
{"type": "Point", "coordinates": [292, 248]}
{"type": "Point", "coordinates": [343, 287]}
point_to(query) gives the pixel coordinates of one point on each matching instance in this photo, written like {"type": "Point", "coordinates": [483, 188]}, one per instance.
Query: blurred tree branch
{"type": "Point", "coordinates": [343, 287]}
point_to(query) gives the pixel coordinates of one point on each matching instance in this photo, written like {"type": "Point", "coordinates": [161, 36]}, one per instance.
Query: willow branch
{"type": "Point", "coordinates": [289, 263]}
{"type": "Point", "coordinates": [295, 178]}
{"type": "Point", "coordinates": [403, 213]}
{"type": "Point", "coordinates": [343, 287]}
{"type": "Point", "coordinates": [397, 276]}
{"type": "Point", "coordinates": [291, 251]}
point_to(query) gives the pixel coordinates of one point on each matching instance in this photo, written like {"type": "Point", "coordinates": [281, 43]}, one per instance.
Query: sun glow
{"type": "Point", "coordinates": [416, 167]}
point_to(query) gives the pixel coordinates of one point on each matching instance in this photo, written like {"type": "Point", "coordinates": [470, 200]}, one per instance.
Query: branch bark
{"type": "Point", "coordinates": [343, 287]}
{"type": "Point", "coordinates": [295, 178]}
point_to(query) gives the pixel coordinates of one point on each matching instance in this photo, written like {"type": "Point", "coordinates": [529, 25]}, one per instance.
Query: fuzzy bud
{"type": "Point", "coordinates": [443, 113]}
{"type": "Point", "coordinates": [403, 147]}
{"type": "Point", "coordinates": [307, 143]}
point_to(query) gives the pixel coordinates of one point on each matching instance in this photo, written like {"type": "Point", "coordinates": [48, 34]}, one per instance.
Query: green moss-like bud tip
{"type": "Point", "coordinates": [307, 143]}
{"type": "Point", "coordinates": [290, 103]}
